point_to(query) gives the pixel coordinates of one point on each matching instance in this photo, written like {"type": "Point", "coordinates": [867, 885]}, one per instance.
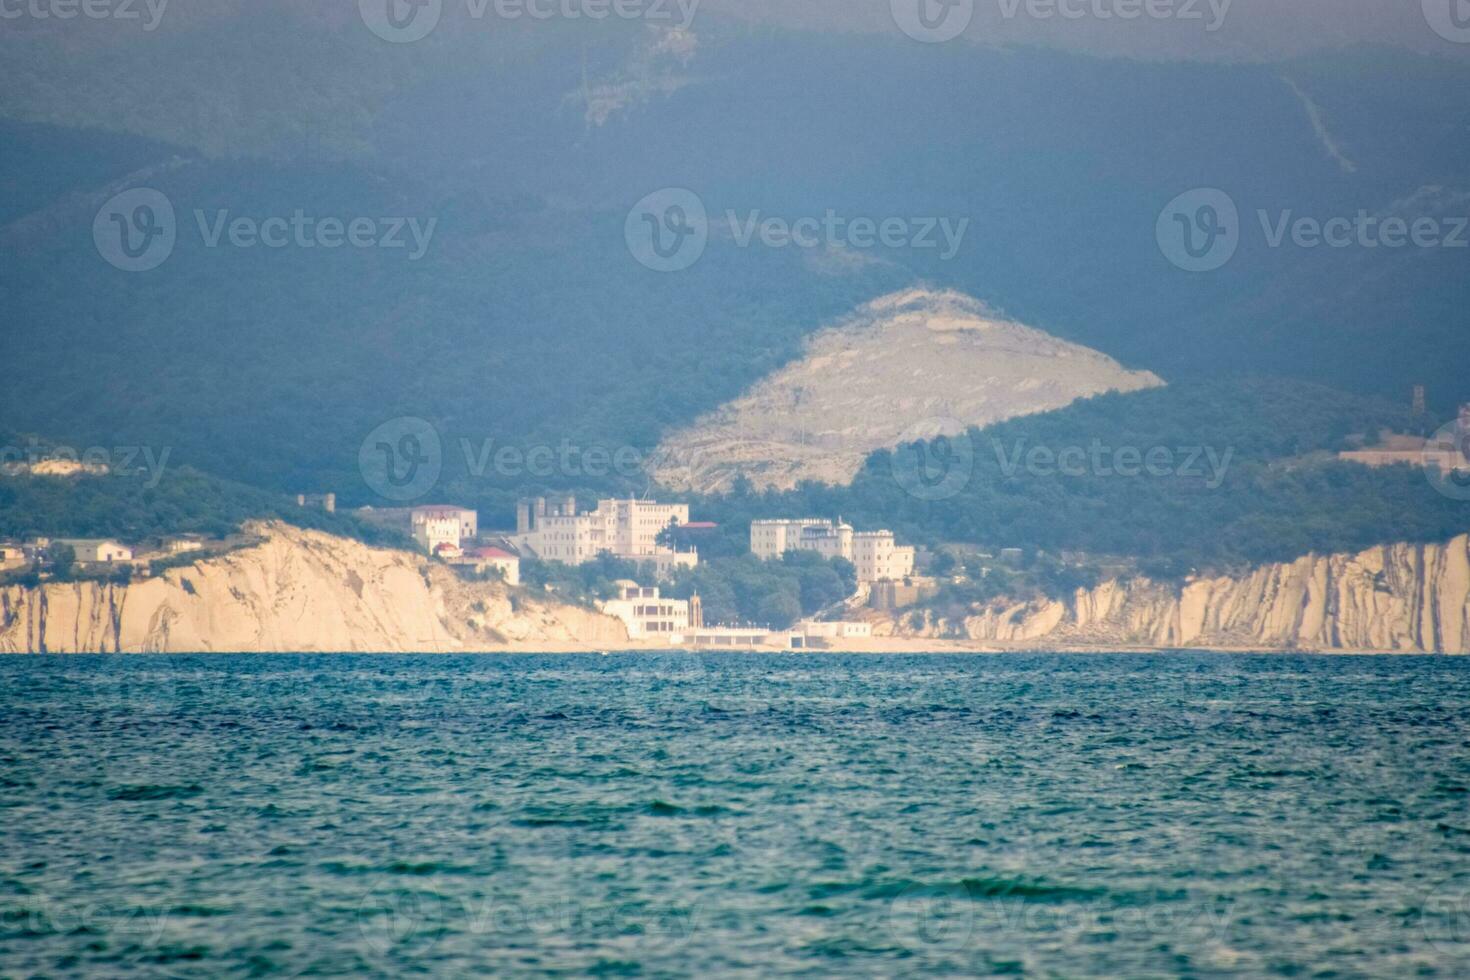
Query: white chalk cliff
{"type": "Point", "coordinates": [297, 591]}
{"type": "Point", "coordinates": [302, 591]}
{"type": "Point", "coordinates": [1400, 598]}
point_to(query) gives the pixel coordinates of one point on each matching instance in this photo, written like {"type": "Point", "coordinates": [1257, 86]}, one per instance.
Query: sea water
{"type": "Point", "coordinates": [685, 815]}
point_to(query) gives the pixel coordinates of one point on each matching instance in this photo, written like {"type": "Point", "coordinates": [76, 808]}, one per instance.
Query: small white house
{"type": "Point", "coordinates": [495, 559]}
{"type": "Point", "coordinates": [97, 550]}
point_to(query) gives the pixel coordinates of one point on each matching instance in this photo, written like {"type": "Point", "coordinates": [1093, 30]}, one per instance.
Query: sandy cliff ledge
{"type": "Point", "coordinates": [298, 591]}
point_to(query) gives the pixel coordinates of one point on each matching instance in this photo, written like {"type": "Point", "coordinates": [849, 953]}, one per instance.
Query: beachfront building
{"type": "Point", "coordinates": [647, 614]}
{"type": "Point", "coordinates": [735, 638]}
{"type": "Point", "coordinates": [552, 530]}
{"type": "Point", "coordinates": [815, 631]}
{"type": "Point", "coordinates": [875, 554]}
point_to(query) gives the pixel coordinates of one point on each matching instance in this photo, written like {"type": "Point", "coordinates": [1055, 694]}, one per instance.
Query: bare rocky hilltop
{"type": "Point", "coordinates": [910, 365]}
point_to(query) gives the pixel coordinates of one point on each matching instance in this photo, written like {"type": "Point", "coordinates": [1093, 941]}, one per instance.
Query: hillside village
{"type": "Point", "coordinates": [553, 529]}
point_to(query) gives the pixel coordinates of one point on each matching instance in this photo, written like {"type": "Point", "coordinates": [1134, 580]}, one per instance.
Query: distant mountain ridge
{"type": "Point", "coordinates": [528, 322]}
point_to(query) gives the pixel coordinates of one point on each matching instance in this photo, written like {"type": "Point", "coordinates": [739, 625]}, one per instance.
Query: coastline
{"type": "Point", "coordinates": [300, 591]}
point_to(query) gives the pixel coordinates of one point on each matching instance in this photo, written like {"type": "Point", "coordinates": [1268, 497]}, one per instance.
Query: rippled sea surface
{"type": "Point", "coordinates": [671, 815]}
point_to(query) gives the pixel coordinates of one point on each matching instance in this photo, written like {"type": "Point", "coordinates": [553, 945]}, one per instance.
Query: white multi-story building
{"type": "Point", "coordinates": [879, 558]}
{"type": "Point", "coordinates": [646, 614]}
{"type": "Point", "coordinates": [468, 520]}
{"type": "Point", "coordinates": [875, 554]}
{"type": "Point", "coordinates": [772, 539]}
{"type": "Point", "coordinates": [434, 527]}
{"type": "Point", "coordinates": [626, 529]}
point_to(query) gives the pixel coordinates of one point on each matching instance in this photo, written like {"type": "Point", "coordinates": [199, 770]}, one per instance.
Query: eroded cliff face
{"type": "Point", "coordinates": [298, 591]}
{"type": "Point", "coordinates": [302, 591]}
{"type": "Point", "coordinates": [1395, 598]}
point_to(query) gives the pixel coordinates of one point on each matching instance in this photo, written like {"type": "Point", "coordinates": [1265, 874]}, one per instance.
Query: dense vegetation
{"type": "Point", "coordinates": [527, 322]}
{"type": "Point", "coordinates": [135, 506]}
{"type": "Point", "coordinates": [1271, 491]}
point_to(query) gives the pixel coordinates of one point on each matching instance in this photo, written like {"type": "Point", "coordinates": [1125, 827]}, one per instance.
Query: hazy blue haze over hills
{"type": "Point", "coordinates": [527, 321]}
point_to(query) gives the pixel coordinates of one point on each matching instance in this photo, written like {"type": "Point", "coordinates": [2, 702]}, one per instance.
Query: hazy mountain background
{"type": "Point", "coordinates": [529, 322]}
